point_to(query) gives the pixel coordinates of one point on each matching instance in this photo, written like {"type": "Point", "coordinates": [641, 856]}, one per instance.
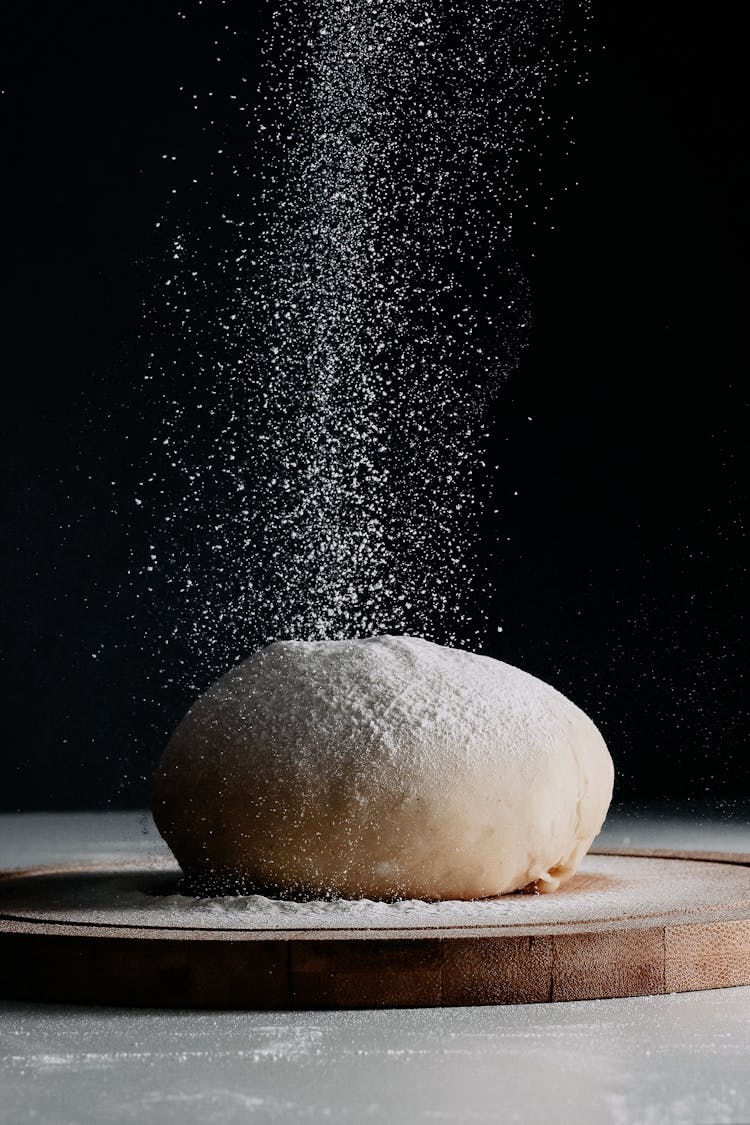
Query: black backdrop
{"type": "Point", "coordinates": [620, 563]}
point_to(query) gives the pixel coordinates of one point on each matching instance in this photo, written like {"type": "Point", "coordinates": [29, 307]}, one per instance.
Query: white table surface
{"type": "Point", "coordinates": [661, 1060]}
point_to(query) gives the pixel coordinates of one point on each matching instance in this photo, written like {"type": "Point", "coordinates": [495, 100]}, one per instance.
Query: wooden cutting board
{"type": "Point", "coordinates": [629, 924]}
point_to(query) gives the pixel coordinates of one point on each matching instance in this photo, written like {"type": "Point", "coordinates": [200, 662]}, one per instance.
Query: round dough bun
{"type": "Point", "coordinates": [381, 768]}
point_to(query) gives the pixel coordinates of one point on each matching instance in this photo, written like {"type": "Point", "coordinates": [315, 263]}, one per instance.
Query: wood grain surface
{"type": "Point", "coordinates": [53, 945]}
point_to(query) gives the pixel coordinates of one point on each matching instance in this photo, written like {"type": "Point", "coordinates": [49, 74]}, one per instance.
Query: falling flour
{"type": "Point", "coordinates": [335, 325]}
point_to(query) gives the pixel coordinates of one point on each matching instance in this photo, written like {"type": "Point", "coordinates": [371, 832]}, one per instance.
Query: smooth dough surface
{"type": "Point", "coordinates": [388, 767]}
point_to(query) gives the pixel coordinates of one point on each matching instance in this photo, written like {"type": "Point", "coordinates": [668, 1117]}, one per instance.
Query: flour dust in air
{"type": "Point", "coordinates": [340, 303]}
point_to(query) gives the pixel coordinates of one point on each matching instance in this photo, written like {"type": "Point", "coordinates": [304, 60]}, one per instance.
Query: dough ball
{"type": "Point", "coordinates": [382, 768]}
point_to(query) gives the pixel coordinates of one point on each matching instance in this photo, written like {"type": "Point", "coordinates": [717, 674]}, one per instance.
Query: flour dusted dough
{"type": "Point", "coordinates": [380, 768]}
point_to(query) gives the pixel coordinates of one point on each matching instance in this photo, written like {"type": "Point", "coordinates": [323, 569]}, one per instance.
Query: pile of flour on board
{"type": "Point", "coordinates": [604, 885]}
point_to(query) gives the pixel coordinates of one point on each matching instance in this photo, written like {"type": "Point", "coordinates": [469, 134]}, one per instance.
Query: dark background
{"type": "Point", "coordinates": [620, 563]}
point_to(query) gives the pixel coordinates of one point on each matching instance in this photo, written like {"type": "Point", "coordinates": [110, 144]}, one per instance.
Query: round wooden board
{"type": "Point", "coordinates": [629, 924]}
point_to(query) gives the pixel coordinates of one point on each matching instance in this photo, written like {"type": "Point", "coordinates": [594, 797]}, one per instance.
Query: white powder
{"type": "Point", "coordinates": [403, 702]}
{"type": "Point", "coordinates": [335, 324]}
{"type": "Point", "coordinates": [607, 889]}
